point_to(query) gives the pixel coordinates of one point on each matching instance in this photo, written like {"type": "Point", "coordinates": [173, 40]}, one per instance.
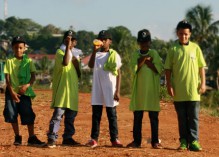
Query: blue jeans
{"type": "Point", "coordinates": [96, 118]}
{"type": "Point", "coordinates": [188, 119]}
{"type": "Point", "coordinates": [137, 127]}
{"type": "Point", "coordinates": [68, 123]}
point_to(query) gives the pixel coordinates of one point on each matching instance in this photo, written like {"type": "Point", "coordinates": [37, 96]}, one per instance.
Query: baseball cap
{"type": "Point", "coordinates": [104, 35]}
{"type": "Point", "coordinates": [184, 25]}
{"type": "Point", "coordinates": [69, 33]}
{"type": "Point", "coordinates": [144, 35]}
{"type": "Point", "coordinates": [18, 39]}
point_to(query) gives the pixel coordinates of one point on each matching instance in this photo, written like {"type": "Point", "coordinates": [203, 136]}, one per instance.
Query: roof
{"type": "Point", "coordinates": [40, 56]}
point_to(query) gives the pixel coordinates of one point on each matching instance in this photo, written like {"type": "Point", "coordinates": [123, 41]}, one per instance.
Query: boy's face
{"type": "Point", "coordinates": [18, 49]}
{"type": "Point", "coordinates": [184, 35]}
{"type": "Point", "coordinates": [144, 46]}
{"type": "Point", "coordinates": [72, 42]}
{"type": "Point", "coordinates": [106, 43]}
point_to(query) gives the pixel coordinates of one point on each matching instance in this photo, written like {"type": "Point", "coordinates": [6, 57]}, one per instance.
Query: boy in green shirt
{"type": "Point", "coordinates": [65, 91]}
{"type": "Point", "coordinates": [147, 66]}
{"type": "Point", "coordinates": [20, 75]}
{"type": "Point", "coordinates": [185, 77]}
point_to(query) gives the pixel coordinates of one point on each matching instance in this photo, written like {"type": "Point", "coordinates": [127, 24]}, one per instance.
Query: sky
{"type": "Point", "coordinates": [160, 17]}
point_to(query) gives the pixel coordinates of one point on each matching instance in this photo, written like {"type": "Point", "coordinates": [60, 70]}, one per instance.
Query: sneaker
{"type": "Point", "coordinates": [157, 146]}
{"type": "Point", "coordinates": [183, 145]}
{"type": "Point", "coordinates": [17, 140]}
{"type": "Point", "coordinates": [116, 143]}
{"type": "Point", "coordinates": [51, 143]}
{"type": "Point", "coordinates": [92, 143]}
{"type": "Point", "coordinates": [195, 146]}
{"type": "Point", "coordinates": [133, 145]}
{"type": "Point", "coordinates": [70, 142]}
{"type": "Point", "coordinates": [34, 141]}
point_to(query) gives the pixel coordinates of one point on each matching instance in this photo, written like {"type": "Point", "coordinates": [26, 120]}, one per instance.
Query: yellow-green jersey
{"type": "Point", "coordinates": [184, 61]}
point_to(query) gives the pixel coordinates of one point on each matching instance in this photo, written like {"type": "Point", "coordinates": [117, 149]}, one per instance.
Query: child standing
{"type": "Point", "coordinates": [147, 66]}
{"type": "Point", "coordinates": [20, 75]}
{"type": "Point", "coordinates": [185, 76]}
{"type": "Point", "coordinates": [106, 65]}
{"type": "Point", "coordinates": [65, 92]}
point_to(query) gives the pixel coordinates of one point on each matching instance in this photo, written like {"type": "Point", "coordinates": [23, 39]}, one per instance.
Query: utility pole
{"type": "Point", "coordinates": [5, 9]}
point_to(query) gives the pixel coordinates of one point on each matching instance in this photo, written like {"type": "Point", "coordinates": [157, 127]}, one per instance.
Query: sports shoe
{"type": "Point", "coordinates": [51, 143]}
{"type": "Point", "coordinates": [92, 143]}
{"type": "Point", "coordinates": [133, 145]}
{"type": "Point", "coordinates": [183, 145]}
{"type": "Point", "coordinates": [70, 142]}
{"type": "Point", "coordinates": [195, 146]}
{"type": "Point", "coordinates": [157, 146]}
{"type": "Point", "coordinates": [34, 141]}
{"type": "Point", "coordinates": [17, 140]}
{"type": "Point", "coordinates": [116, 143]}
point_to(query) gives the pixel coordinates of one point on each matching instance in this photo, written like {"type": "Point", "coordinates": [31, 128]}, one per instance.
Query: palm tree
{"type": "Point", "coordinates": [205, 31]}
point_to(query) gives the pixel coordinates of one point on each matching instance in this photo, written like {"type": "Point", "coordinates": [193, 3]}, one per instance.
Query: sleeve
{"type": "Point", "coordinates": [118, 61]}
{"type": "Point", "coordinates": [157, 61]}
{"type": "Point", "coordinates": [201, 60]}
{"type": "Point", "coordinates": [134, 62]}
{"type": "Point", "coordinates": [32, 66]}
{"type": "Point", "coordinates": [6, 67]}
{"type": "Point", "coordinates": [169, 59]}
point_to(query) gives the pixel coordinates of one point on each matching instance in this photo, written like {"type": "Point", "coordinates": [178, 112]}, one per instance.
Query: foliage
{"type": "Point", "coordinates": [210, 101]}
{"type": "Point", "coordinates": [205, 32]}
{"type": "Point", "coordinates": [164, 94]}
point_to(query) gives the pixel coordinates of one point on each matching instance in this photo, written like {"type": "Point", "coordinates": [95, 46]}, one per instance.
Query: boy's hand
{"type": "Point", "coordinates": [202, 89]}
{"type": "Point", "coordinates": [23, 89]}
{"type": "Point", "coordinates": [170, 90]}
{"type": "Point", "coordinates": [116, 96]}
{"type": "Point", "coordinates": [15, 97]}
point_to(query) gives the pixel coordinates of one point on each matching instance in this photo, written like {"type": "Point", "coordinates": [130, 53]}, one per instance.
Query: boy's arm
{"type": "Point", "coordinates": [15, 96]}
{"type": "Point", "coordinates": [93, 56]}
{"type": "Point", "coordinates": [118, 83]}
{"type": "Point", "coordinates": [151, 65]}
{"type": "Point", "coordinates": [77, 66]}
{"type": "Point", "coordinates": [141, 62]}
{"type": "Point", "coordinates": [170, 90]}
{"type": "Point", "coordinates": [68, 56]}
{"type": "Point", "coordinates": [202, 88]}
{"type": "Point", "coordinates": [24, 87]}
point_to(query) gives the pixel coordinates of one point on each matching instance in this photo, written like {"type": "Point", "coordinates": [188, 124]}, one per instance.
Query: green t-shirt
{"type": "Point", "coordinates": [65, 84]}
{"type": "Point", "coordinates": [146, 85]}
{"type": "Point", "coordinates": [184, 61]}
{"type": "Point", "coordinates": [12, 68]}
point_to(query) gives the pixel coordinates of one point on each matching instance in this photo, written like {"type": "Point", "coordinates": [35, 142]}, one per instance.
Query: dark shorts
{"type": "Point", "coordinates": [23, 108]}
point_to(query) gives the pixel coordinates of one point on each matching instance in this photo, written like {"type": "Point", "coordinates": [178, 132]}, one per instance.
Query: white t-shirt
{"type": "Point", "coordinates": [104, 82]}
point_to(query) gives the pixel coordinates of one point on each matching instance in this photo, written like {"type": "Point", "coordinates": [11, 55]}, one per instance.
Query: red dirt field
{"type": "Point", "coordinates": [168, 130]}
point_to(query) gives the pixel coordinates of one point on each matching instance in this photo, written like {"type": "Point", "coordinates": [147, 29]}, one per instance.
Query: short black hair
{"type": "Point", "coordinates": [184, 25]}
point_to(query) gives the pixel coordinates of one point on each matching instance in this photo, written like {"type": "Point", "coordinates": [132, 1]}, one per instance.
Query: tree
{"type": "Point", "coordinates": [125, 44]}
{"type": "Point", "coordinates": [205, 31]}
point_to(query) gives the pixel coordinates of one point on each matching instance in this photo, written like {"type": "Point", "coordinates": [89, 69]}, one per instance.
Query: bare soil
{"type": "Point", "coordinates": [168, 130]}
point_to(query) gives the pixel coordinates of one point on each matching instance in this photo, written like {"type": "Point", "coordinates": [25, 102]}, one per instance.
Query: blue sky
{"type": "Point", "coordinates": [159, 16]}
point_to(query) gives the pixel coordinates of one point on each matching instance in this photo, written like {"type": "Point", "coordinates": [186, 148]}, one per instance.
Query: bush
{"type": "Point", "coordinates": [210, 101]}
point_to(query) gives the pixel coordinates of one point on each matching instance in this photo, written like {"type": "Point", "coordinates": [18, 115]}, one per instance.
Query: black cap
{"type": "Point", "coordinates": [18, 39]}
{"type": "Point", "coordinates": [104, 35]}
{"type": "Point", "coordinates": [69, 33]}
{"type": "Point", "coordinates": [184, 25]}
{"type": "Point", "coordinates": [144, 35]}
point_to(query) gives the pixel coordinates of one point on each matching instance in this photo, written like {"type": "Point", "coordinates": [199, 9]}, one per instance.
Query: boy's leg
{"type": "Point", "coordinates": [137, 127]}
{"type": "Point", "coordinates": [55, 123]}
{"type": "Point", "coordinates": [153, 116]}
{"type": "Point", "coordinates": [193, 108]}
{"type": "Point", "coordinates": [30, 129]}
{"type": "Point", "coordinates": [69, 123]}
{"type": "Point", "coordinates": [181, 110]}
{"type": "Point", "coordinates": [112, 119]}
{"type": "Point", "coordinates": [15, 128]}
{"type": "Point", "coordinates": [96, 117]}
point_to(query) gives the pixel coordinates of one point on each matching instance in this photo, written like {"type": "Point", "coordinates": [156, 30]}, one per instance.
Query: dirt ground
{"type": "Point", "coordinates": [209, 134]}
